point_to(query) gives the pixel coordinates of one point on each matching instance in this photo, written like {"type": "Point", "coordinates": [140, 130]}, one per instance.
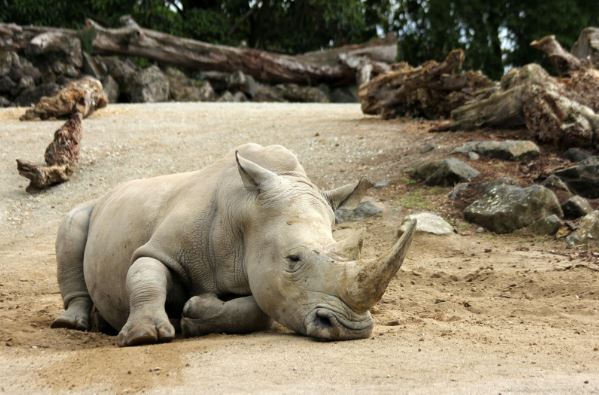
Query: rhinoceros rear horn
{"type": "Point", "coordinates": [253, 175]}
{"type": "Point", "coordinates": [372, 278]}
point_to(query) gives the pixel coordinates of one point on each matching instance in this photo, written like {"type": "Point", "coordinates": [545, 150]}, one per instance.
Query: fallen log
{"type": "Point", "coordinates": [61, 157]}
{"type": "Point", "coordinates": [431, 90]}
{"type": "Point", "coordinates": [86, 95]}
{"type": "Point", "coordinates": [133, 40]}
{"type": "Point", "coordinates": [531, 98]}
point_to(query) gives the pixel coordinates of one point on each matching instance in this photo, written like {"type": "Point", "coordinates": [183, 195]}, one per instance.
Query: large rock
{"type": "Point", "coordinates": [428, 223]}
{"type": "Point", "coordinates": [111, 87]}
{"type": "Point", "coordinates": [33, 95]}
{"type": "Point", "coordinates": [587, 231]}
{"type": "Point", "coordinates": [583, 178]}
{"type": "Point", "coordinates": [506, 149]}
{"type": "Point", "coordinates": [576, 207]}
{"type": "Point", "coordinates": [149, 86]}
{"type": "Point", "coordinates": [185, 89]}
{"type": "Point", "coordinates": [363, 210]}
{"type": "Point", "coordinates": [506, 208]}
{"type": "Point", "coordinates": [304, 94]}
{"type": "Point", "coordinates": [446, 172]}
{"type": "Point", "coordinates": [4, 102]}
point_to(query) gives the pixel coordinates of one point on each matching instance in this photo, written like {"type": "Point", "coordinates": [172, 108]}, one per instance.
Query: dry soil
{"type": "Point", "coordinates": [468, 313]}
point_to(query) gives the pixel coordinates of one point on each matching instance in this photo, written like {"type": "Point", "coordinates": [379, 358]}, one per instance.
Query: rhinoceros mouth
{"type": "Point", "coordinates": [327, 324]}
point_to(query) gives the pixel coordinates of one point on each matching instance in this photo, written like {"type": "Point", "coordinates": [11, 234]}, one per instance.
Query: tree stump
{"type": "Point", "coordinates": [431, 90]}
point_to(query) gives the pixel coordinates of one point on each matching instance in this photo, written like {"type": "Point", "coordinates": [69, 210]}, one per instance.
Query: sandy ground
{"type": "Point", "coordinates": [468, 313]}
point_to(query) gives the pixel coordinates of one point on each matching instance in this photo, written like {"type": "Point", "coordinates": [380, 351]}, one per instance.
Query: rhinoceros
{"type": "Point", "coordinates": [223, 249]}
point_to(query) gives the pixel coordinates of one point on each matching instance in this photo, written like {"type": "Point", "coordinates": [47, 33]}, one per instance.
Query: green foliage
{"type": "Point", "coordinates": [494, 34]}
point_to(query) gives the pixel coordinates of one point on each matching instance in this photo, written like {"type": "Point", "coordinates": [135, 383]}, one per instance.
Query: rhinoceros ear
{"type": "Point", "coordinates": [349, 194]}
{"type": "Point", "coordinates": [253, 175]}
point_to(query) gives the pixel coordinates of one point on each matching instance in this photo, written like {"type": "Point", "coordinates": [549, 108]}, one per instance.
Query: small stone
{"type": "Point", "coordinates": [363, 210]}
{"type": "Point", "coordinates": [556, 184]}
{"type": "Point", "coordinates": [381, 184]}
{"type": "Point", "coordinates": [506, 149]}
{"type": "Point", "coordinates": [546, 226]}
{"type": "Point", "coordinates": [458, 191]}
{"type": "Point", "coordinates": [576, 154]}
{"type": "Point", "coordinates": [576, 207]}
{"type": "Point", "coordinates": [473, 156]}
{"type": "Point", "coordinates": [587, 231]}
{"type": "Point", "coordinates": [447, 172]}
{"type": "Point", "coordinates": [428, 147]}
{"type": "Point", "coordinates": [583, 178]}
{"type": "Point", "coordinates": [428, 223]}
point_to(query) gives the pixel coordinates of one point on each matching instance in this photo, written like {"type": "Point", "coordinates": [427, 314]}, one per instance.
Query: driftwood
{"type": "Point", "coordinates": [61, 157]}
{"type": "Point", "coordinates": [551, 110]}
{"type": "Point", "coordinates": [431, 90]}
{"type": "Point", "coordinates": [133, 40]}
{"type": "Point", "coordinates": [85, 94]}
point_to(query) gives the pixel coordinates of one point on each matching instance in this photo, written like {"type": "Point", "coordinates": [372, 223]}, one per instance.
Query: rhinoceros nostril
{"type": "Point", "coordinates": [323, 321]}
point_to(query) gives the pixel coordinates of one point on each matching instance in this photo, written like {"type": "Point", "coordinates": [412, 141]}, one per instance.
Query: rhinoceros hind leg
{"type": "Point", "coordinates": [148, 281]}
{"type": "Point", "coordinates": [70, 247]}
{"type": "Point", "coordinates": [76, 316]}
{"type": "Point", "coordinates": [206, 313]}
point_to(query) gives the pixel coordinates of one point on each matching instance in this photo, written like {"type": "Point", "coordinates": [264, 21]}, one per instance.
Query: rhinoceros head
{"type": "Point", "coordinates": [295, 271]}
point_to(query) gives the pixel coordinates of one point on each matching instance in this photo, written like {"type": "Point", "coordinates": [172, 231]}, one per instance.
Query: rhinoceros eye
{"type": "Point", "coordinates": [293, 258]}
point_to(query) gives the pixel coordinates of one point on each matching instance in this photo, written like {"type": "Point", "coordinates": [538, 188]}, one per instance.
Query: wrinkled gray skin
{"type": "Point", "coordinates": [223, 249]}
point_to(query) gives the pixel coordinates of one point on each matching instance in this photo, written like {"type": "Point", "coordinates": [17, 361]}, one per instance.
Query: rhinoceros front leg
{"type": "Point", "coordinates": [148, 281]}
{"type": "Point", "coordinates": [206, 313]}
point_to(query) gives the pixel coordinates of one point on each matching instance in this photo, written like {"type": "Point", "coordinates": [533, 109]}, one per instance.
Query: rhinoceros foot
{"type": "Point", "coordinates": [206, 313]}
{"type": "Point", "coordinates": [146, 329]}
{"type": "Point", "coordinates": [76, 316]}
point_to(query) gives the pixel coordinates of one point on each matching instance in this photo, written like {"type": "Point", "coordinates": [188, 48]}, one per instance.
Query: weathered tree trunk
{"type": "Point", "coordinates": [84, 96]}
{"type": "Point", "coordinates": [587, 45]}
{"type": "Point", "coordinates": [62, 156]}
{"type": "Point", "coordinates": [529, 97]}
{"type": "Point", "coordinates": [561, 59]}
{"type": "Point", "coordinates": [133, 40]}
{"type": "Point", "coordinates": [431, 90]}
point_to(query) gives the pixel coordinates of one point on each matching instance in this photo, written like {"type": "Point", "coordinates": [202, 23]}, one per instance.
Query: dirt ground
{"type": "Point", "coordinates": [468, 313]}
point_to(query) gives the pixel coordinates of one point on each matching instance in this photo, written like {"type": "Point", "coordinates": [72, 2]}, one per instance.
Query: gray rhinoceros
{"type": "Point", "coordinates": [223, 249]}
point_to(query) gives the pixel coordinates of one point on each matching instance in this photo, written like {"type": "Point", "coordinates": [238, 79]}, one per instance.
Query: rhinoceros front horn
{"type": "Point", "coordinates": [370, 279]}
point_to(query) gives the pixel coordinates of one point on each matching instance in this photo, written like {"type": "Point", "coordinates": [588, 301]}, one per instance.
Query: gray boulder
{"type": "Point", "coordinates": [185, 89]}
{"type": "Point", "coordinates": [363, 210]}
{"type": "Point", "coordinates": [546, 226]}
{"type": "Point", "coordinates": [506, 149]}
{"type": "Point", "coordinates": [582, 178]}
{"type": "Point", "coordinates": [446, 172]}
{"type": "Point", "coordinates": [149, 86]}
{"type": "Point", "coordinates": [587, 231]}
{"type": "Point", "coordinates": [111, 88]}
{"type": "Point", "coordinates": [506, 208]}
{"type": "Point", "coordinates": [4, 102]}
{"type": "Point", "coordinates": [345, 94]}
{"type": "Point", "coordinates": [427, 223]}
{"type": "Point", "coordinates": [32, 95]}
{"type": "Point", "coordinates": [556, 184]}
{"type": "Point", "coordinates": [577, 154]}
{"type": "Point", "coordinates": [576, 207]}
{"type": "Point", "coordinates": [304, 94]}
